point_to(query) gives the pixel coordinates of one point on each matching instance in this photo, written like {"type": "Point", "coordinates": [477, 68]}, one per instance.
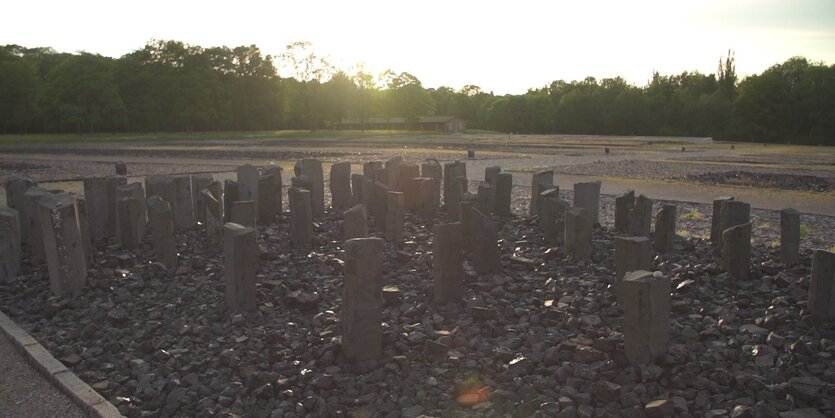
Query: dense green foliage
{"type": "Point", "coordinates": [169, 86]}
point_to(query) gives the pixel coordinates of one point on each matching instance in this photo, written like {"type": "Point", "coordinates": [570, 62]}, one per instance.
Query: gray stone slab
{"type": "Point", "coordinates": [240, 259]}
{"type": "Point", "coordinates": [362, 300]}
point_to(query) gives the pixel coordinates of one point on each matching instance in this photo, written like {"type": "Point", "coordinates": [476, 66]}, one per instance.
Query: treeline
{"type": "Point", "coordinates": [169, 86]}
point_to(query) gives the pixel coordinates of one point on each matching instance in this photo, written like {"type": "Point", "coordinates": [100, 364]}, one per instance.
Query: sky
{"type": "Point", "coordinates": [505, 47]}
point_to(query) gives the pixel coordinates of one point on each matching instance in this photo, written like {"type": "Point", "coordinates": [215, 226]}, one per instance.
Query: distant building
{"type": "Point", "coordinates": [426, 123]}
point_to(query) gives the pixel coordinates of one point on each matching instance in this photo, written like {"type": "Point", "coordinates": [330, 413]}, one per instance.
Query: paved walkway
{"type": "Point", "coordinates": [25, 393]}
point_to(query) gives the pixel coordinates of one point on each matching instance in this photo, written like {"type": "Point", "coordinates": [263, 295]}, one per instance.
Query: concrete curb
{"type": "Point", "coordinates": [93, 404]}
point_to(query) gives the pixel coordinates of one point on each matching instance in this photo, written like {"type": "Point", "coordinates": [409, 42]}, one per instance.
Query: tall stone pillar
{"type": "Point", "coordinates": [301, 218]}
{"type": "Point", "coordinates": [587, 196]}
{"type": "Point", "coordinates": [486, 198]}
{"type": "Point", "coordinates": [213, 215]}
{"type": "Point", "coordinates": [182, 205]}
{"type": "Point", "coordinates": [453, 172]}
{"type": "Point", "coordinates": [240, 258]}
{"type": "Point", "coordinates": [789, 236]}
{"type": "Point", "coordinates": [640, 218]}
{"type": "Point", "coordinates": [113, 184]}
{"type": "Point", "coordinates": [245, 213]}
{"type": "Point", "coordinates": [504, 192]}
{"type": "Point", "coordinates": [95, 194]}
{"type": "Point", "coordinates": [578, 232]}
{"type": "Point", "coordinates": [447, 262]}
{"type": "Point", "coordinates": [427, 206]}
{"type": "Point", "coordinates": [715, 232]}
{"type": "Point", "coordinates": [312, 168]}
{"type": "Point", "coordinates": [432, 169]}
{"type": "Point", "coordinates": [357, 189]}
{"type": "Point", "coordinates": [484, 244]}
{"type": "Point", "coordinates": [16, 187]}
{"type": "Point", "coordinates": [646, 316]}
{"type": "Point", "coordinates": [31, 216]}
{"type": "Point", "coordinates": [231, 194]}
{"type": "Point", "coordinates": [131, 222]}
{"type": "Point", "coordinates": [362, 300]}
{"type": "Point", "coordinates": [379, 205]}
{"type": "Point", "coordinates": [822, 287]}
{"type": "Point", "coordinates": [665, 228]}
{"type": "Point", "coordinates": [733, 213]}
{"type": "Point", "coordinates": [84, 227]}
{"type": "Point", "coordinates": [62, 244]}
{"type": "Point", "coordinates": [198, 183]}
{"type": "Point", "coordinates": [164, 187]}
{"type": "Point", "coordinates": [552, 219]}
{"type": "Point", "coordinates": [10, 245]}
{"type": "Point", "coordinates": [406, 184]}
{"type": "Point", "coordinates": [133, 191]}
{"type": "Point", "coordinates": [247, 183]}
{"type": "Point", "coordinates": [355, 222]}
{"type": "Point", "coordinates": [161, 220]}
{"type": "Point", "coordinates": [540, 182]}
{"type": "Point", "coordinates": [340, 185]}
{"type": "Point", "coordinates": [395, 211]}
{"type": "Point", "coordinates": [631, 254]}
{"type": "Point", "coordinates": [624, 203]}
{"type": "Point", "coordinates": [269, 195]}
{"type": "Point", "coordinates": [736, 251]}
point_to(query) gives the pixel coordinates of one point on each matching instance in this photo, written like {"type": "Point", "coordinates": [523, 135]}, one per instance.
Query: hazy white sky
{"type": "Point", "coordinates": [505, 47]}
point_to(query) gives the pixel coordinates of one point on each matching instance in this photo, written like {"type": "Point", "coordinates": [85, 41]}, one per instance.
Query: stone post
{"type": "Point", "coordinates": [240, 258]}
{"type": "Point", "coordinates": [16, 188]}
{"type": "Point", "coordinates": [452, 173]}
{"type": "Point", "coordinates": [213, 215]}
{"type": "Point", "coordinates": [269, 195]}
{"type": "Point", "coordinates": [504, 191]}
{"type": "Point", "coordinates": [822, 287]}
{"type": "Point", "coordinates": [198, 183]}
{"type": "Point", "coordinates": [230, 195]}
{"type": "Point", "coordinates": [646, 316]}
{"type": "Point", "coordinates": [131, 222]}
{"type": "Point", "coordinates": [362, 300]}
{"type": "Point", "coordinates": [10, 250]}
{"type": "Point", "coordinates": [95, 194]}
{"type": "Point", "coordinates": [486, 198]}
{"type": "Point", "coordinates": [467, 225]}
{"type": "Point", "coordinates": [434, 170]}
{"type": "Point", "coordinates": [485, 247]}
{"type": "Point", "coordinates": [355, 222]}
{"type": "Point", "coordinates": [587, 196]}
{"type": "Point", "coordinates": [62, 244]}
{"type": "Point", "coordinates": [665, 228]}
{"type": "Point", "coordinates": [357, 189]}
{"type": "Point", "coordinates": [491, 173]}
{"type": "Point", "coordinates": [789, 236]}
{"type": "Point", "coordinates": [369, 169]}
{"type": "Point", "coordinates": [552, 219]}
{"type": "Point", "coordinates": [452, 200]}
{"type": "Point", "coordinates": [540, 182]}
{"type": "Point", "coordinates": [427, 206]}
{"type": "Point", "coordinates": [379, 205]}
{"type": "Point", "coordinates": [624, 203]}
{"type": "Point", "coordinates": [162, 233]}
{"type": "Point", "coordinates": [133, 191]}
{"type": "Point", "coordinates": [395, 210]}
{"type": "Point", "coordinates": [640, 218]}
{"type": "Point", "coordinates": [247, 183]}
{"type": "Point", "coordinates": [278, 185]}
{"type": "Point", "coordinates": [715, 232]}
{"type": "Point", "coordinates": [164, 187]}
{"type": "Point", "coordinates": [340, 185]}
{"type": "Point", "coordinates": [312, 168]}
{"type": "Point", "coordinates": [113, 184]}
{"type": "Point", "coordinates": [736, 251]}
{"type": "Point", "coordinates": [393, 170]}
{"type": "Point", "coordinates": [578, 231]}
{"type": "Point", "coordinates": [301, 218]}
{"type": "Point", "coordinates": [733, 213]}
{"type": "Point", "coordinates": [33, 223]}
{"type": "Point", "coordinates": [182, 205]}
{"type": "Point", "coordinates": [447, 262]}
{"type": "Point", "coordinates": [121, 168]}
{"type": "Point", "coordinates": [406, 184]}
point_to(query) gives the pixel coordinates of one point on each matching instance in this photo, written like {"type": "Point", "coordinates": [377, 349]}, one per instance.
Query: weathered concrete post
{"type": "Point", "coordinates": [624, 203]}
{"type": "Point", "coordinates": [113, 184]}
{"type": "Point", "coordinates": [16, 187]}
{"type": "Point", "coordinates": [379, 205]}
{"type": "Point", "coordinates": [733, 213]}
{"type": "Point", "coordinates": [504, 190]}
{"type": "Point", "coordinates": [789, 236]}
{"type": "Point", "coordinates": [240, 253]}
{"type": "Point", "coordinates": [199, 182]}
{"type": "Point", "coordinates": [269, 195]}
{"type": "Point", "coordinates": [231, 194]}
{"type": "Point", "coordinates": [62, 244]}
{"type": "Point", "coordinates": [133, 191]}
{"type": "Point", "coordinates": [434, 170]}
{"type": "Point", "coordinates": [822, 287]}
{"type": "Point", "coordinates": [578, 231]}
{"type": "Point", "coordinates": [214, 214]}
{"type": "Point", "coordinates": [736, 251]}
{"type": "Point", "coordinates": [10, 245]}
{"type": "Point", "coordinates": [247, 183]}
{"type": "Point", "coordinates": [406, 184]}
{"type": "Point", "coordinates": [245, 213]}
{"type": "Point", "coordinates": [312, 168]}
{"type": "Point", "coordinates": [121, 168]}
{"type": "Point", "coordinates": [362, 300]}
{"type": "Point", "coordinates": [340, 185]}
{"type": "Point", "coordinates": [95, 193]}
{"type": "Point", "coordinates": [131, 222]}
{"type": "Point", "coordinates": [640, 218]}
{"type": "Point", "coordinates": [466, 217]}
{"type": "Point", "coordinates": [453, 172]}
{"type": "Point", "coordinates": [393, 171]}
{"type": "Point", "coordinates": [395, 211]}
{"type": "Point", "coordinates": [452, 200]}
{"type": "Point", "coordinates": [33, 223]}
{"type": "Point", "coordinates": [301, 218]}
{"type": "Point", "coordinates": [631, 254]}
{"type": "Point", "coordinates": [552, 218]}
{"type": "Point", "coordinates": [665, 228]}
{"type": "Point", "coordinates": [427, 206]}
{"type": "Point", "coordinates": [162, 233]}
{"type": "Point", "coordinates": [447, 262]}
{"type": "Point", "coordinates": [357, 189]}
{"type": "Point", "coordinates": [355, 222]}
{"type": "Point", "coordinates": [715, 232]}
{"type": "Point", "coordinates": [485, 247]}
{"type": "Point", "coordinates": [491, 173]}
{"type": "Point", "coordinates": [646, 316]}
{"type": "Point", "coordinates": [486, 198]}
{"type": "Point", "coordinates": [587, 196]}
{"type": "Point", "coordinates": [182, 205]}
{"type": "Point", "coordinates": [540, 182]}
{"type": "Point", "coordinates": [164, 187]}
